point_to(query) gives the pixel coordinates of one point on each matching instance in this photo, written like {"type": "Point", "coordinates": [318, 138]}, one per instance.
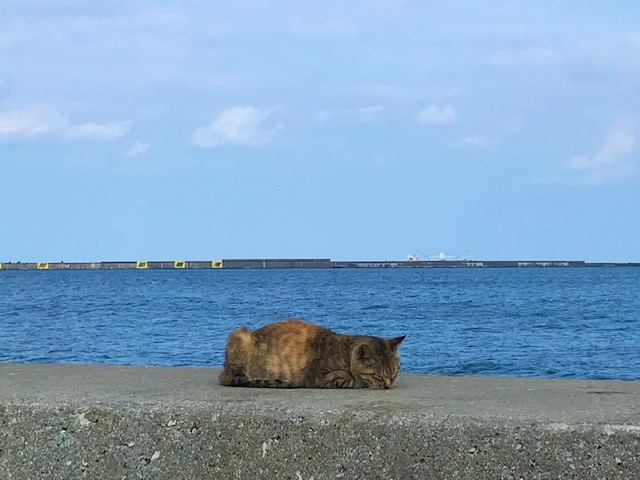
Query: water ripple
{"type": "Point", "coordinates": [552, 323]}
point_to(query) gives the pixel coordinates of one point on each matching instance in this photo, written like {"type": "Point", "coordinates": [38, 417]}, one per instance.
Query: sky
{"type": "Point", "coordinates": [360, 130]}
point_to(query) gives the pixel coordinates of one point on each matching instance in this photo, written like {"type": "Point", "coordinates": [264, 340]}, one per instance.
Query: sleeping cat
{"type": "Point", "coordinates": [295, 354]}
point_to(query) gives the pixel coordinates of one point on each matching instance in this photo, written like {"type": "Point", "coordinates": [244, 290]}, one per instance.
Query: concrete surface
{"type": "Point", "coordinates": [83, 421]}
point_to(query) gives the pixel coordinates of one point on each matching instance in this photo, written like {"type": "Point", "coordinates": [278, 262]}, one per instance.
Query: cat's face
{"type": "Point", "coordinates": [375, 362]}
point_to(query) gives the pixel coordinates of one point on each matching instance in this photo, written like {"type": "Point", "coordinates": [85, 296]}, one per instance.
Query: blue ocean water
{"type": "Point", "coordinates": [539, 322]}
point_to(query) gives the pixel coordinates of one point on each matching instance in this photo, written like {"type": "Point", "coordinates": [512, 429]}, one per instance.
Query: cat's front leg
{"type": "Point", "coordinates": [338, 379]}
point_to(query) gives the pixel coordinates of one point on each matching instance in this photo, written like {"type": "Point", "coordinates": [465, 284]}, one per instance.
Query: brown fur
{"type": "Point", "coordinates": [295, 354]}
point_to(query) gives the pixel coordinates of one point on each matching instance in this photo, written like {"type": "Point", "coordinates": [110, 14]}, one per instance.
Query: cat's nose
{"type": "Point", "coordinates": [387, 384]}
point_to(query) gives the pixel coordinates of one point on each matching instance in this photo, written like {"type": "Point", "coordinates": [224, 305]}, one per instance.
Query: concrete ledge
{"type": "Point", "coordinates": [77, 421]}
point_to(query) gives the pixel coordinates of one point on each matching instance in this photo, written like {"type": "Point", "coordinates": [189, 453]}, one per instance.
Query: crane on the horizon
{"type": "Point", "coordinates": [418, 256]}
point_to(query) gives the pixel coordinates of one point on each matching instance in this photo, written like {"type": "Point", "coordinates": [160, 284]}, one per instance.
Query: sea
{"type": "Point", "coordinates": [569, 323]}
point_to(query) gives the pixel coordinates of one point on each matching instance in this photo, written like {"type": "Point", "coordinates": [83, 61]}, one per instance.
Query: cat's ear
{"type": "Point", "coordinates": [394, 343]}
{"type": "Point", "coordinates": [364, 353]}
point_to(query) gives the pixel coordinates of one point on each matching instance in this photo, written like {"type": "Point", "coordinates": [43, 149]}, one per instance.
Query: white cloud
{"type": "Point", "coordinates": [475, 141]}
{"type": "Point", "coordinates": [614, 158]}
{"type": "Point", "coordinates": [94, 131]}
{"type": "Point", "coordinates": [43, 121]}
{"type": "Point", "coordinates": [138, 149]}
{"type": "Point", "coordinates": [370, 114]}
{"type": "Point", "coordinates": [31, 123]}
{"type": "Point", "coordinates": [244, 126]}
{"type": "Point", "coordinates": [436, 115]}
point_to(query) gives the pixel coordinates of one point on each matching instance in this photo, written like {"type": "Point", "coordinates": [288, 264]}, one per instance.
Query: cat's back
{"type": "Point", "coordinates": [290, 330]}
{"type": "Point", "coordinates": [284, 350]}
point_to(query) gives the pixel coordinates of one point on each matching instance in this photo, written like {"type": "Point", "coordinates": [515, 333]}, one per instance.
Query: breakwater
{"type": "Point", "coordinates": [302, 263]}
{"type": "Point", "coordinates": [82, 421]}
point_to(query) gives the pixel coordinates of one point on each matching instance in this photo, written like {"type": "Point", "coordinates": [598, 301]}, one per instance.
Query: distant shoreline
{"type": "Point", "coordinates": [309, 263]}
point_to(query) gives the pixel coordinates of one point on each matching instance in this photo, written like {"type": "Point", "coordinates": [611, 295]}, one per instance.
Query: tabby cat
{"type": "Point", "coordinates": [295, 354]}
